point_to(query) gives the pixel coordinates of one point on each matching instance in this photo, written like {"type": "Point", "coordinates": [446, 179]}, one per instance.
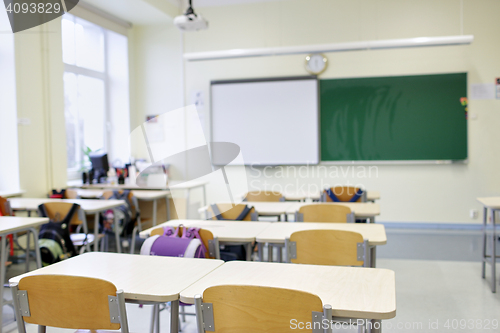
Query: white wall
{"type": "Point", "coordinates": [157, 77]}
{"type": "Point", "coordinates": [410, 193]}
{"type": "Point", "coordinates": [9, 162]}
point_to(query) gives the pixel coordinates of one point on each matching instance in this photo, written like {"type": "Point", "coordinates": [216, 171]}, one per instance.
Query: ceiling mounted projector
{"type": "Point", "coordinates": [190, 21]}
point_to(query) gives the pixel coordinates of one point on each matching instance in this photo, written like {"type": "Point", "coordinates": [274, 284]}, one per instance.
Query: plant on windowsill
{"type": "Point", "coordinates": [85, 162]}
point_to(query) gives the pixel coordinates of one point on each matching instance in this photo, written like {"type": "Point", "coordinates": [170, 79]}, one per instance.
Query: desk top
{"type": "Point", "coordinates": [9, 194]}
{"type": "Point", "coordinates": [89, 206]}
{"type": "Point", "coordinates": [139, 194]}
{"type": "Point", "coordinates": [226, 231]}
{"type": "Point", "coordinates": [490, 202]}
{"type": "Point", "coordinates": [174, 184]}
{"type": "Point", "coordinates": [263, 208]}
{"type": "Point", "coordinates": [315, 195]}
{"type": "Point", "coordinates": [142, 278]}
{"type": "Point", "coordinates": [278, 231]}
{"type": "Point", "coordinates": [10, 224]}
{"type": "Point", "coordinates": [353, 292]}
{"type": "Point", "coordinates": [360, 209]}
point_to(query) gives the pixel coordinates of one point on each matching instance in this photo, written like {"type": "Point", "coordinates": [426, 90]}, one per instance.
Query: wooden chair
{"type": "Point", "coordinates": [324, 212]}
{"type": "Point", "coordinates": [5, 207]}
{"type": "Point", "coordinates": [327, 247]}
{"type": "Point", "coordinates": [264, 196]}
{"type": "Point", "coordinates": [70, 302]}
{"type": "Point", "coordinates": [344, 194]}
{"type": "Point", "coordinates": [58, 210]}
{"type": "Point", "coordinates": [241, 309]}
{"type": "Point", "coordinates": [231, 212]}
{"type": "Point", "coordinates": [71, 193]}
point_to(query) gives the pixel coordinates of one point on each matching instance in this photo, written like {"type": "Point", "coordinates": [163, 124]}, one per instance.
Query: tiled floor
{"type": "Point", "coordinates": [432, 295]}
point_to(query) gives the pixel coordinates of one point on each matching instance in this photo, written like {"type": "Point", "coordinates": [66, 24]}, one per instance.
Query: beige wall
{"type": "Point", "coordinates": [410, 193]}
{"type": "Point", "coordinates": [39, 73]}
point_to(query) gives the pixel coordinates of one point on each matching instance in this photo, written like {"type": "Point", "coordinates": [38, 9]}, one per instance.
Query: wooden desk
{"type": "Point", "coordinates": [143, 195]}
{"type": "Point", "coordinates": [172, 185]}
{"type": "Point", "coordinates": [263, 208]}
{"type": "Point", "coordinates": [143, 279]}
{"type": "Point", "coordinates": [277, 232]}
{"type": "Point", "coordinates": [361, 210]}
{"type": "Point", "coordinates": [315, 195]}
{"type": "Point", "coordinates": [88, 206]}
{"type": "Point", "coordinates": [12, 225]}
{"type": "Point", "coordinates": [11, 194]}
{"type": "Point", "coordinates": [352, 292]}
{"type": "Point", "coordinates": [229, 232]}
{"type": "Point", "coordinates": [493, 205]}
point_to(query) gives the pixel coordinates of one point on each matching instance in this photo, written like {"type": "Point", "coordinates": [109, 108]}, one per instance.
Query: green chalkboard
{"type": "Point", "coordinates": [394, 118]}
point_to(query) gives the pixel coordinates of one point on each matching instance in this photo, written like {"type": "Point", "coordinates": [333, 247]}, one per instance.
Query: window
{"type": "Point", "coordinates": [95, 92]}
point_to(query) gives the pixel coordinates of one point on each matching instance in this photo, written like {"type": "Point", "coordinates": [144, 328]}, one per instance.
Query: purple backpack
{"type": "Point", "coordinates": [170, 244]}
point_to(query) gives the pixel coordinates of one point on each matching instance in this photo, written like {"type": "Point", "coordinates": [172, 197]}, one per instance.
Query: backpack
{"type": "Point", "coordinates": [128, 222]}
{"type": "Point", "coordinates": [58, 194]}
{"type": "Point", "coordinates": [232, 252]}
{"type": "Point", "coordinates": [170, 244]}
{"type": "Point", "coordinates": [54, 239]}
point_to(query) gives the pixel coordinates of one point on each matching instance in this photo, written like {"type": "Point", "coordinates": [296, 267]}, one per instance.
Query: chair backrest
{"type": "Point", "coordinates": [266, 196]}
{"type": "Point", "coordinates": [228, 212]}
{"type": "Point", "coordinates": [327, 247]}
{"type": "Point", "coordinates": [239, 308]}
{"type": "Point", "coordinates": [56, 211]}
{"type": "Point", "coordinates": [134, 206]}
{"type": "Point", "coordinates": [344, 194]}
{"type": "Point", "coordinates": [71, 302]}
{"type": "Point", "coordinates": [324, 212]}
{"type": "Point", "coordinates": [71, 193]}
{"type": "Point", "coordinates": [207, 237]}
{"type": "Point", "coordinates": [5, 207]}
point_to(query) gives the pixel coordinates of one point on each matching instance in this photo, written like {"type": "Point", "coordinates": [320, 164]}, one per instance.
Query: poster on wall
{"type": "Point", "coordinates": [154, 128]}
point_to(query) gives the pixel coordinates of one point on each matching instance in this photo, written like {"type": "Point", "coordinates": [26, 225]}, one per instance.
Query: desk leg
{"type": "Point", "coordinates": [261, 251]}
{"type": "Point", "coordinates": [249, 247]}
{"type": "Point", "coordinates": [37, 248]}
{"type": "Point", "coordinates": [376, 326]}
{"type": "Point", "coordinates": [485, 222]}
{"type": "Point", "coordinates": [168, 208]}
{"type": "Point", "coordinates": [373, 256]}
{"type": "Point", "coordinates": [155, 206]}
{"type": "Point", "coordinates": [204, 195]}
{"type": "Point", "coordinates": [174, 316]}
{"type": "Point", "coordinates": [117, 233]}
{"type": "Point", "coordinates": [493, 253]}
{"type": "Point", "coordinates": [96, 231]}
{"type": "Point", "coordinates": [187, 203]}
{"type": "Point", "coordinates": [27, 257]}
{"type": "Point", "coordinates": [2, 275]}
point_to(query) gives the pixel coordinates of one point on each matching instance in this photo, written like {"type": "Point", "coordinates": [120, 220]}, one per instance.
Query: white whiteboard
{"type": "Point", "coordinates": [274, 121]}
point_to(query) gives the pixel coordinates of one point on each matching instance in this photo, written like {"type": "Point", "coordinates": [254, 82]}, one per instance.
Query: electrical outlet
{"type": "Point", "coordinates": [473, 213]}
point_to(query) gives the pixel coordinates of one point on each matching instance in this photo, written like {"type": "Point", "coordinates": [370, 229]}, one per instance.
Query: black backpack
{"type": "Point", "coordinates": [232, 252]}
{"type": "Point", "coordinates": [57, 232]}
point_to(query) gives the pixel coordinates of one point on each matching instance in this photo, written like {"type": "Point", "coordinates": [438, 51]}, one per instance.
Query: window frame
{"type": "Point", "coordinates": [75, 173]}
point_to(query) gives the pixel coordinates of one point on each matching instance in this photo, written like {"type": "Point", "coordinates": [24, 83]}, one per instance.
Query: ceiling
{"type": "Point", "coordinates": [134, 11]}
